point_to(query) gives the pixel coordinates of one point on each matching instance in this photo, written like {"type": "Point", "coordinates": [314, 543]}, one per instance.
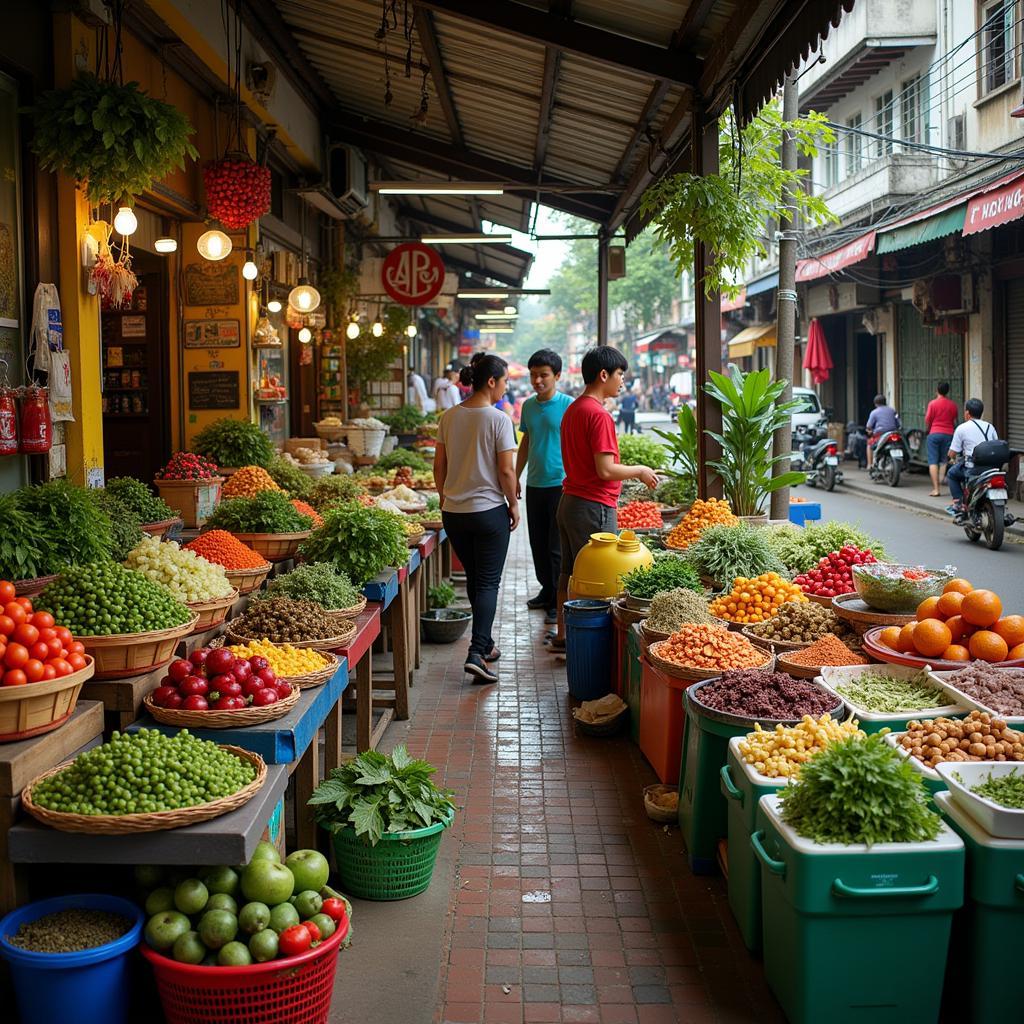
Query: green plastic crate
{"type": "Point", "coordinates": [856, 934]}
{"type": "Point", "coordinates": [986, 949]}
{"type": "Point", "coordinates": [742, 788]}
{"type": "Point", "coordinates": [632, 677]}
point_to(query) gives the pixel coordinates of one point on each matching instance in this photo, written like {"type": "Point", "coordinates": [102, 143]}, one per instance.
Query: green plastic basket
{"type": "Point", "coordinates": [399, 866]}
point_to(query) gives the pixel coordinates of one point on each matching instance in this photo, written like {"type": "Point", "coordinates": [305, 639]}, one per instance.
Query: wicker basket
{"type": "Point", "coordinates": [337, 616]}
{"type": "Point", "coordinates": [609, 727]}
{"type": "Point", "coordinates": [29, 588]}
{"type": "Point", "coordinates": [365, 442]}
{"type": "Point", "coordinates": [652, 636]}
{"type": "Point", "coordinates": [303, 682]}
{"type": "Point", "coordinates": [693, 674]}
{"type": "Point", "coordinates": [247, 580]}
{"type": "Point", "coordinates": [194, 499]}
{"type": "Point", "coordinates": [133, 654]}
{"type": "Point", "coordinates": [768, 642]}
{"type": "Point", "coordinates": [330, 432]}
{"type": "Point", "coordinates": [274, 547]}
{"type": "Point", "coordinates": [413, 539]}
{"type": "Point", "coordinates": [212, 613]}
{"type": "Point", "coordinates": [159, 529]}
{"type": "Point", "coordinates": [432, 524]}
{"type": "Point", "coordinates": [35, 708]}
{"type": "Point", "coordinates": [221, 719]}
{"type": "Point", "coordinates": [654, 810]}
{"type": "Point", "coordinates": [125, 824]}
{"type": "Point", "coordinates": [332, 643]}
{"type": "Point", "coordinates": [799, 671]}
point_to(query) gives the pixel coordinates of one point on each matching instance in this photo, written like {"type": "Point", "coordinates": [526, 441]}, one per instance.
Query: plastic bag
{"type": "Point", "coordinates": [47, 334]}
{"type": "Point", "coordinates": [60, 388]}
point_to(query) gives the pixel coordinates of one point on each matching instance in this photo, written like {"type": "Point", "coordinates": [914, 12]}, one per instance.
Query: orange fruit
{"type": "Point", "coordinates": [890, 637]}
{"type": "Point", "coordinates": [988, 646]}
{"type": "Point", "coordinates": [1011, 629]}
{"type": "Point", "coordinates": [906, 640]}
{"type": "Point", "coordinates": [959, 586]}
{"type": "Point", "coordinates": [949, 604]}
{"type": "Point", "coordinates": [928, 608]}
{"type": "Point", "coordinates": [1015, 653]}
{"type": "Point", "coordinates": [981, 607]}
{"type": "Point", "coordinates": [960, 629]}
{"type": "Point", "coordinates": [956, 652]}
{"type": "Point", "coordinates": [931, 637]}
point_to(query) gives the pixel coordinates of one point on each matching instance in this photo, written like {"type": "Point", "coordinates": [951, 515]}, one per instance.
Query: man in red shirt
{"type": "Point", "coordinates": [593, 474]}
{"type": "Point", "coordinates": [940, 423]}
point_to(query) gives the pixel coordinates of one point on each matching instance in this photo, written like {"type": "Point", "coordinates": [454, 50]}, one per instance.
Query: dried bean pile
{"type": "Point", "coordinates": [1001, 689]}
{"type": "Point", "coordinates": [283, 620]}
{"type": "Point", "coordinates": [757, 693]}
{"type": "Point", "coordinates": [68, 931]}
{"type": "Point", "coordinates": [798, 623]}
{"type": "Point", "coordinates": [978, 737]}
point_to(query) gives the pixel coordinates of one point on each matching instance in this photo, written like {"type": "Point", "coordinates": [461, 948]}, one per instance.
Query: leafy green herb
{"type": "Point", "coordinates": [331, 490]}
{"type": "Point", "coordinates": [724, 552]}
{"type": "Point", "coordinates": [376, 794]}
{"type": "Point", "coordinates": [234, 443]}
{"type": "Point", "coordinates": [140, 499]}
{"type": "Point", "coordinates": [125, 525]}
{"type": "Point", "coordinates": [359, 541]}
{"type": "Point", "coordinates": [407, 420]}
{"type": "Point", "coordinates": [1006, 790]}
{"type": "Point", "coordinates": [666, 574]}
{"type": "Point", "coordinates": [402, 457]}
{"type": "Point", "coordinates": [802, 549]}
{"type": "Point", "coordinates": [441, 595]}
{"type": "Point", "coordinates": [680, 490]}
{"type": "Point", "coordinates": [289, 477]}
{"type": "Point", "coordinates": [314, 581]}
{"type": "Point", "coordinates": [433, 503]}
{"type": "Point", "coordinates": [71, 517]}
{"type": "Point", "coordinates": [266, 512]}
{"type": "Point", "coordinates": [638, 450]}
{"type": "Point", "coordinates": [682, 447]}
{"type": "Point", "coordinates": [25, 550]}
{"type": "Point", "coordinates": [859, 790]}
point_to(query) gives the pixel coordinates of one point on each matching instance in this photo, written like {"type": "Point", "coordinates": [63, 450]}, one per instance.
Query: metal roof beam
{"type": "Point", "coordinates": [693, 21]}
{"type": "Point", "coordinates": [547, 104]}
{"type": "Point", "coordinates": [737, 40]}
{"type": "Point", "coordinates": [432, 51]}
{"type": "Point", "coordinates": [654, 101]}
{"type": "Point", "coordinates": [570, 36]}
{"type": "Point", "coordinates": [502, 277]}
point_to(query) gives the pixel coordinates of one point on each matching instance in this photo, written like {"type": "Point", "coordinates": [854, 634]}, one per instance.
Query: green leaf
{"type": "Point", "coordinates": [368, 820]}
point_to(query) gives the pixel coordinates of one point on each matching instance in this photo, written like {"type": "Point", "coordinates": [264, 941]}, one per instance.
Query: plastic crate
{"type": "Point", "coordinates": [804, 512]}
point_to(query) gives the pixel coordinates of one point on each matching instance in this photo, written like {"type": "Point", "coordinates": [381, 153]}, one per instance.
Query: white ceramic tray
{"type": "Point", "coordinates": [832, 676]}
{"type": "Point", "coordinates": [996, 820]}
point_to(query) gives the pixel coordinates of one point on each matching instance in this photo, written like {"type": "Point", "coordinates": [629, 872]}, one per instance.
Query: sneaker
{"type": "Point", "coordinates": [954, 510]}
{"type": "Point", "coordinates": [551, 616]}
{"type": "Point", "coordinates": [481, 673]}
{"type": "Point", "coordinates": [540, 601]}
{"type": "Point", "coordinates": [494, 655]}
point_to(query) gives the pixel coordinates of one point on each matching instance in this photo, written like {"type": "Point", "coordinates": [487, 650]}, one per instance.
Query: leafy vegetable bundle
{"type": "Point", "coordinates": [665, 574]}
{"type": "Point", "coordinates": [724, 552]}
{"type": "Point", "coordinates": [358, 541]}
{"type": "Point", "coordinates": [234, 443]}
{"type": "Point", "coordinates": [267, 512]}
{"type": "Point", "coordinates": [637, 450]}
{"type": "Point", "coordinates": [802, 548]}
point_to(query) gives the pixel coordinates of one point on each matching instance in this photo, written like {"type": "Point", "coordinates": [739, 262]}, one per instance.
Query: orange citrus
{"type": "Point", "coordinates": [956, 652]}
{"type": "Point", "coordinates": [1015, 653]}
{"type": "Point", "coordinates": [960, 629]}
{"type": "Point", "coordinates": [981, 608]}
{"type": "Point", "coordinates": [958, 585]}
{"type": "Point", "coordinates": [890, 637]}
{"type": "Point", "coordinates": [931, 637]}
{"type": "Point", "coordinates": [928, 608]}
{"type": "Point", "coordinates": [988, 646]}
{"type": "Point", "coordinates": [949, 604]}
{"type": "Point", "coordinates": [1011, 629]}
{"type": "Point", "coordinates": [906, 641]}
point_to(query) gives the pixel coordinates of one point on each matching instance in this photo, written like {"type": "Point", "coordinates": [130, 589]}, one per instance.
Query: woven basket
{"type": "Point", "coordinates": [399, 866]}
{"type": "Point", "coordinates": [330, 432]}
{"type": "Point", "coordinates": [35, 708]}
{"type": "Point", "coordinates": [652, 636]}
{"type": "Point", "coordinates": [247, 580]}
{"type": "Point", "coordinates": [133, 654]}
{"type": "Point", "coordinates": [654, 810]}
{"type": "Point", "coordinates": [195, 500]}
{"type": "Point", "coordinates": [414, 538]}
{"type": "Point", "coordinates": [29, 588]}
{"type": "Point", "coordinates": [221, 719]}
{"type": "Point", "coordinates": [212, 613]}
{"type": "Point", "coordinates": [338, 616]}
{"type": "Point", "coordinates": [303, 682]}
{"type": "Point", "coordinates": [432, 524]}
{"type": "Point", "coordinates": [274, 547]}
{"type": "Point", "coordinates": [365, 442]}
{"type": "Point", "coordinates": [692, 675]}
{"type": "Point", "coordinates": [125, 824]}
{"type": "Point", "coordinates": [775, 645]}
{"type": "Point", "coordinates": [799, 671]}
{"type": "Point", "coordinates": [158, 529]}
{"type": "Point", "coordinates": [332, 643]}
{"type": "Point", "coordinates": [609, 727]}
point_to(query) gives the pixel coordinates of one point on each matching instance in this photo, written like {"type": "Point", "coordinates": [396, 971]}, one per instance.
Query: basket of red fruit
{"type": "Point", "coordinates": [212, 689]}
{"type": "Point", "coordinates": [640, 516]}
{"type": "Point", "coordinates": [833, 575]}
{"type": "Point", "coordinates": [191, 483]}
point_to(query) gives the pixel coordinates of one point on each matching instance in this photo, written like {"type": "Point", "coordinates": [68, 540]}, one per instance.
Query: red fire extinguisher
{"type": "Point", "coordinates": [36, 426]}
{"type": "Point", "coordinates": [8, 421]}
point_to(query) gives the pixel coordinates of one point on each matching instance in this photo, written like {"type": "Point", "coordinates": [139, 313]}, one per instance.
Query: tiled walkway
{"type": "Point", "coordinates": [567, 903]}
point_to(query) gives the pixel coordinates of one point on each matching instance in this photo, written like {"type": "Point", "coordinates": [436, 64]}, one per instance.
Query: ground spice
{"type": "Point", "coordinates": [710, 647]}
{"type": "Point", "coordinates": [1001, 689]}
{"type": "Point", "coordinates": [68, 931]}
{"type": "Point", "coordinates": [221, 547]}
{"type": "Point", "coordinates": [674, 608]}
{"type": "Point", "coordinates": [758, 693]}
{"type": "Point", "coordinates": [828, 650]}
{"type": "Point", "coordinates": [307, 510]}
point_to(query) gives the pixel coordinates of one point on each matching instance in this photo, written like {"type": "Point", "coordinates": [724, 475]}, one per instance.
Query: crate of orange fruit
{"type": "Point", "coordinates": [963, 623]}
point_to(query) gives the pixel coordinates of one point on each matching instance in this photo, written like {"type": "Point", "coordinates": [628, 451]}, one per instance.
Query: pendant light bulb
{"type": "Point", "coordinates": [411, 330]}
{"type": "Point", "coordinates": [304, 297]}
{"type": "Point", "coordinates": [213, 245]}
{"type": "Point", "coordinates": [274, 306]}
{"type": "Point", "coordinates": [377, 329]}
{"type": "Point", "coordinates": [305, 335]}
{"type": "Point", "coordinates": [166, 245]}
{"type": "Point", "coordinates": [249, 270]}
{"type": "Point", "coordinates": [352, 331]}
{"type": "Point", "coordinates": [126, 223]}
{"type": "Point", "coordinates": [510, 310]}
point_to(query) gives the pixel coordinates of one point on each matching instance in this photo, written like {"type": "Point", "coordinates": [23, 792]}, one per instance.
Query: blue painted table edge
{"type": "Point", "coordinates": [383, 588]}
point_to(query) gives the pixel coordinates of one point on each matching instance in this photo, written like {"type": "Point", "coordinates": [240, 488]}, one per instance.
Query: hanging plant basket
{"type": "Point", "coordinates": [237, 190]}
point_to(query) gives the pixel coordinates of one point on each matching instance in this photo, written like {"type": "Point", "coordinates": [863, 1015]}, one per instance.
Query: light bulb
{"type": "Point", "coordinates": [352, 331]}
{"type": "Point", "coordinates": [126, 222]}
{"type": "Point", "coordinates": [213, 245]}
{"type": "Point", "coordinates": [304, 297]}
{"type": "Point", "coordinates": [305, 335]}
{"type": "Point", "coordinates": [250, 271]}
{"type": "Point", "coordinates": [274, 306]}
{"type": "Point", "coordinates": [377, 329]}
{"type": "Point", "coordinates": [411, 330]}
{"type": "Point", "coordinates": [510, 309]}
{"type": "Point", "coordinates": [166, 245]}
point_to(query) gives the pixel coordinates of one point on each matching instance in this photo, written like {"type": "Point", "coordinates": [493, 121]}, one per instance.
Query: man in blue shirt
{"type": "Point", "coordinates": [541, 452]}
{"type": "Point", "coordinates": [883, 417]}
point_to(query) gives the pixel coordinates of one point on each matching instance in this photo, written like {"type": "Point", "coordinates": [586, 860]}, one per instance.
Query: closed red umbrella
{"type": "Point", "coordinates": [816, 355]}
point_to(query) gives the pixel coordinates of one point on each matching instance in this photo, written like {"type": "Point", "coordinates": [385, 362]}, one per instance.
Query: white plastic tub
{"type": "Point", "coordinates": [996, 820]}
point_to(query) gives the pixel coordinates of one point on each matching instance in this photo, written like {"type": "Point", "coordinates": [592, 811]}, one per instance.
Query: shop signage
{"type": "Point", "coordinates": [412, 273]}
{"type": "Point", "coordinates": [1000, 206]}
{"type": "Point", "coordinates": [133, 326]}
{"type": "Point", "coordinates": [830, 262]}
{"type": "Point", "coordinates": [216, 389]}
{"type": "Point", "coordinates": [212, 334]}
{"type": "Point", "coordinates": [211, 284]}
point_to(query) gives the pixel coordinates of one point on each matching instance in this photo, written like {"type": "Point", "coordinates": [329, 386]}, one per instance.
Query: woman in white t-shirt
{"type": "Point", "coordinates": [474, 469]}
{"type": "Point", "coordinates": [446, 388]}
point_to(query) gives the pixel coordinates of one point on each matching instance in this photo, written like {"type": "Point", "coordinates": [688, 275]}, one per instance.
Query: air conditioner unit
{"type": "Point", "coordinates": [346, 177]}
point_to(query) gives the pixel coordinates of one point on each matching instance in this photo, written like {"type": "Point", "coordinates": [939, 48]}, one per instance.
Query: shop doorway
{"type": "Point", "coordinates": [136, 416]}
{"type": "Point", "coordinates": [924, 357]}
{"type": "Point", "coordinates": [866, 347]}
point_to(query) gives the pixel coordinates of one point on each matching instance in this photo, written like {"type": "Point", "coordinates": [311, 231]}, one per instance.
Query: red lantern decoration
{"type": "Point", "coordinates": [8, 421]}
{"type": "Point", "coordinates": [237, 190]}
{"type": "Point", "coordinates": [36, 425]}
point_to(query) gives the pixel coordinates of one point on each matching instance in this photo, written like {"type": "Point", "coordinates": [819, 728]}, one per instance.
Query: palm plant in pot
{"type": "Point", "coordinates": [442, 624]}
{"type": "Point", "coordinates": [751, 413]}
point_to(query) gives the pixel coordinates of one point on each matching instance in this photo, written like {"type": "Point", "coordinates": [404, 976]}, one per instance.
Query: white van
{"type": "Point", "coordinates": [809, 413]}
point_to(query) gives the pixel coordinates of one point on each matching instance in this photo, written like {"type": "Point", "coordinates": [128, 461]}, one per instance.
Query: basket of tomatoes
{"type": "Point", "coordinates": [42, 669]}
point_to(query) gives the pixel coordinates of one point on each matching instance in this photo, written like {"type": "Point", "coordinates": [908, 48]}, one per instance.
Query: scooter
{"type": "Point", "coordinates": [889, 456]}
{"type": "Point", "coordinates": [984, 503]}
{"type": "Point", "coordinates": [821, 464]}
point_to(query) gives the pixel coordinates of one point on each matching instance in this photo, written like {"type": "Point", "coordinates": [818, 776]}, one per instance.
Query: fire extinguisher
{"type": "Point", "coordinates": [8, 414]}
{"type": "Point", "coordinates": [36, 425]}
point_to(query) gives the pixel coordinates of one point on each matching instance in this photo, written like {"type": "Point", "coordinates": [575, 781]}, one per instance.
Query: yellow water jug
{"type": "Point", "coordinates": [603, 561]}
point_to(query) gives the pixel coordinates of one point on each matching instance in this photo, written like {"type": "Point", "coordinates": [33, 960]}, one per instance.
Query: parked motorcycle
{"type": "Point", "coordinates": [889, 457]}
{"type": "Point", "coordinates": [821, 463]}
{"type": "Point", "coordinates": [984, 503]}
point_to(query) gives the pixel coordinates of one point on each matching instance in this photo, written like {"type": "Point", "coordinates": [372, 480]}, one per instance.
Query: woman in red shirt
{"type": "Point", "coordinates": [940, 422]}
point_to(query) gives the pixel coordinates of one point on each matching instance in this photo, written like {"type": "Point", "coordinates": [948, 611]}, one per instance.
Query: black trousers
{"type": "Point", "coordinates": [541, 510]}
{"type": "Point", "coordinates": [480, 540]}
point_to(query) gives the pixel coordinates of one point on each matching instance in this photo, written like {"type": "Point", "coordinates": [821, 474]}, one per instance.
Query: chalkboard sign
{"type": "Point", "coordinates": [211, 284]}
{"type": "Point", "coordinates": [213, 390]}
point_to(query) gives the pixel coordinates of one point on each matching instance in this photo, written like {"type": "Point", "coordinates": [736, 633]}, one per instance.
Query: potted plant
{"type": "Point", "coordinates": [405, 423]}
{"type": "Point", "coordinates": [681, 487]}
{"type": "Point", "coordinates": [386, 817]}
{"type": "Point", "coordinates": [193, 484]}
{"type": "Point", "coordinates": [751, 413]}
{"type": "Point", "coordinates": [442, 624]}
{"type": "Point", "coordinates": [234, 443]}
{"type": "Point", "coordinates": [359, 541]}
{"type": "Point", "coordinates": [267, 522]}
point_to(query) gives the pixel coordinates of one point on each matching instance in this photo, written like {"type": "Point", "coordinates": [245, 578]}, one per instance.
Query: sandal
{"type": "Point", "coordinates": [556, 646]}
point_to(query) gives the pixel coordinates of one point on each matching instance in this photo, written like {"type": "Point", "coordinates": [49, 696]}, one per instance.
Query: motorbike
{"type": "Point", "coordinates": [984, 503]}
{"type": "Point", "coordinates": [889, 456]}
{"type": "Point", "coordinates": [821, 463]}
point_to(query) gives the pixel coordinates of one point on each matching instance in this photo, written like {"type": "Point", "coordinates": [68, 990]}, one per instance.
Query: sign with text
{"type": "Point", "coordinates": [999, 206]}
{"type": "Point", "coordinates": [412, 273]}
{"type": "Point", "coordinates": [217, 389]}
{"type": "Point", "coordinates": [212, 334]}
{"type": "Point", "coordinates": [830, 262]}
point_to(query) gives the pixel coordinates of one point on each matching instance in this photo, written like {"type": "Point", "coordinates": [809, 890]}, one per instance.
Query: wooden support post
{"type": "Point", "coordinates": [602, 287]}
{"type": "Point", "coordinates": [307, 777]}
{"type": "Point", "coordinates": [364, 702]}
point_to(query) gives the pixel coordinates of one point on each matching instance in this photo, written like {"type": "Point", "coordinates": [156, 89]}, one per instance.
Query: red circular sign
{"type": "Point", "coordinates": [412, 273]}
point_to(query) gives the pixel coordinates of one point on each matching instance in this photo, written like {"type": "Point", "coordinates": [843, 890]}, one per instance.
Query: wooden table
{"type": "Point", "coordinates": [390, 591]}
{"type": "Point", "coordinates": [359, 655]}
{"type": "Point", "coordinates": [424, 580]}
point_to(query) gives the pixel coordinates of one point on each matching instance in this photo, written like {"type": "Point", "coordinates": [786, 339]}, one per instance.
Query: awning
{"type": "Point", "coordinates": [828, 263]}
{"type": "Point", "coordinates": [660, 341]}
{"type": "Point", "coordinates": [938, 225]}
{"type": "Point", "coordinates": [999, 205]}
{"type": "Point", "coordinates": [728, 305]}
{"type": "Point", "coordinates": [764, 284]}
{"type": "Point", "coordinates": [762, 336]}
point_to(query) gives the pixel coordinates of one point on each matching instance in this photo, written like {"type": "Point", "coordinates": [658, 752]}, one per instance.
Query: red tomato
{"type": "Point", "coordinates": [34, 670]}
{"type": "Point", "coordinates": [294, 940]}
{"type": "Point", "coordinates": [15, 677]}
{"type": "Point", "coordinates": [46, 633]}
{"type": "Point", "coordinates": [39, 650]}
{"type": "Point", "coordinates": [61, 667]}
{"type": "Point", "coordinates": [15, 611]}
{"type": "Point", "coordinates": [26, 634]}
{"type": "Point", "coordinates": [64, 635]}
{"type": "Point", "coordinates": [16, 656]}
{"type": "Point", "coordinates": [6, 591]}
{"type": "Point", "coordinates": [334, 908]}
{"type": "Point", "coordinates": [76, 661]}
{"type": "Point", "coordinates": [42, 620]}
{"type": "Point", "coordinates": [77, 647]}
{"type": "Point", "coordinates": [55, 647]}
{"type": "Point", "coordinates": [49, 672]}
{"type": "Point", "coordinates": [25, 603]}
{"type": "Point", "coordinates": [7, 625]}
{"type": "Point", "coordinates": [313, 929]}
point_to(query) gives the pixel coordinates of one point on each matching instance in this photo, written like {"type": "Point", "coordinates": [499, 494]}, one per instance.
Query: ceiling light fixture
{"type": "Point", "coordinates": [274, 306]}
{"type": "Point", "coordinates": [126, 223]}
{"type": "Point", "coordinates": [496, 316]}
{"type": "Point", "coordinates": [304, 297]}
{"type": "Point", "coordinates": [213, 245]}
{"type": "Point", "coordinates": [470, 239]}
{"type": "Point", "coordinates": [305, 335]}
{"type": "Point", "coordinates": [166, 245]}
{"type": "Point", "coordinates": [496, 330]}
{"type": "Point", "coordinates": [352, 331]}
{"type": "Point", "coordinates": [249, 269]}
{"type": "Point", "coordinates": [510, 310]}
{"type": "Point", "coordinates": [436, 188]}
{"type": "Point", "coordinates": [481, 295]}
{"type": "Point", "coordinates": [411, 331]}
{"type": "Point", "coordinates": [377, 329]}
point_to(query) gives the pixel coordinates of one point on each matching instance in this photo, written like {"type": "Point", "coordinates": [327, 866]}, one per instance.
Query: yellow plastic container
{"type": "Point", "coordinates": [601, 564]}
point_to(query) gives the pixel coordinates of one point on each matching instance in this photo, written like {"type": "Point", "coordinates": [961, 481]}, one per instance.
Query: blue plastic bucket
{"type": "Point", "coordinates": [588, 648]}
{"type": "Point", "coordinates": [87, 987]}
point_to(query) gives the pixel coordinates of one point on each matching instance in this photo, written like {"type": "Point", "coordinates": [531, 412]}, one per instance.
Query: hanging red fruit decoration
{"type": "Point", "coordinates": [237, 190]}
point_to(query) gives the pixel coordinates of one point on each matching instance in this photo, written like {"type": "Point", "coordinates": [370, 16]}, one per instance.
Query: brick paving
{"type": "Point", "coordinates": [567, 903]}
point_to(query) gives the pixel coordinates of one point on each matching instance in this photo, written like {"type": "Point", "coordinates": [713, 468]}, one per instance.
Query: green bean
{"type": "Point", "coordinates": [889, 694]}
{"type": "Point", "coordinates": [1006, 790]}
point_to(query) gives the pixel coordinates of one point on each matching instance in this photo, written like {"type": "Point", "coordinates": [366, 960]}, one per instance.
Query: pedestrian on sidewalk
{"type": "Point", "coordinates": [474, 470]}
{"type": "Point", "coordinates": [446, 388]}
{"type": "Point", "coordinates": [593, 474]}
{"type": "Point", "coordinates": [940, 421]}
{"type": "Point", "coordinates": [972, 432]}
{"type": "Point", "coordinates": [628, 405]}
{"type": "Point", "coordinates": [540, 451]}
{"type": "Point", "coordinates": [882, 418]}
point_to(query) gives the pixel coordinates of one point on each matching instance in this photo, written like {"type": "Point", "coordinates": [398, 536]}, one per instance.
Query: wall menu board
{"type": "Point", "coordinates": [211, 284]}
{"type": "Point", "coordinates": [218, 389]}
{"type": "Point", "coordinates": [212, 334]}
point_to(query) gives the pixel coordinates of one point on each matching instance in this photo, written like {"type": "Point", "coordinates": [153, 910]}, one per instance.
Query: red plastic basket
{"type": "Point", "coordinates": [294, 990]}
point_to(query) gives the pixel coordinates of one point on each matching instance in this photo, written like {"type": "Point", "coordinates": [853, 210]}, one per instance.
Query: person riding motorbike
{"type": "Point", "coordinates": [883, 418]}
{"type": "Point", "coordinates": [967, 436]}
